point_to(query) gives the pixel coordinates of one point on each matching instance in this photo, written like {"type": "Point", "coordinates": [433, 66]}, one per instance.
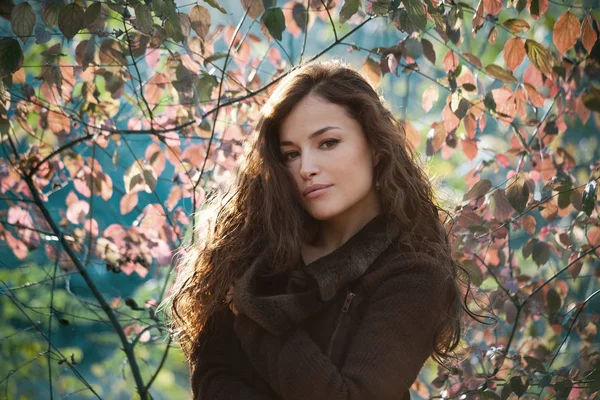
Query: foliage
{"type": "Point", "coordinates": [143, 107]}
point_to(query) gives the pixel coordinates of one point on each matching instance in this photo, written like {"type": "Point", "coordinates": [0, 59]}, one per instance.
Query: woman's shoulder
{"type": "Point", "coordinates": [404, 262]}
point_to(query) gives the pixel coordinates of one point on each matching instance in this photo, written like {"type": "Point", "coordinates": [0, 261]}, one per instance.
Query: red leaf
{"type": "Point", "coordinates": [588, 34]}
{"type": "Point", "coordinates": [174, 197]}
{"type": "Point", "coordinates": [469, 147]}
{"type": "Point", "coordinates": [430, 96]}
{"type": "Point", "coordinates": [77, 211]}
{"type": "Point", "coordinates": [593, 236]}
{"type": "Point", "coordinates": [470, 125]}
{"type": "Point", "coordinates": [533, 76]}
{"type": "Point", "coordinates": [505, 104]}
{"type": "Point", "coordinates": [155, 157]}
{"type": "Point", "coordinates": [450, 61]}
{"type": "Point", "coordinates": [58, 122]}
{"type": "Point", "coordinates": [566, 31]}
{"type": "Point", "coordinates": [582, 111]}
{"type": "Point", "coordinates": [474, 60]}
{"type": "Point", "coordinates": [503, 160]}
{"type": "Point", "coordinates": [492, 6]}
{"type": "Point", "coordinates": [451, 121]}
{"type": "Point", "coordinates": [438, 135]}
{"type": "Point", "coordinates": [128, 202]}
{"type": "Point", "coordinates": [154, 88]}
{"type": "Point", "coordinates": [18, 247]}
{"type": "Point", "coordinates": [534, 97]}
{"type": "Point", "coordinates": [514, 53]}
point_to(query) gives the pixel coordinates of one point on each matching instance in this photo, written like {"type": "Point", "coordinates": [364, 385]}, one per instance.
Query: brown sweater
{"type": "Point", "coordinates": [358, 323]}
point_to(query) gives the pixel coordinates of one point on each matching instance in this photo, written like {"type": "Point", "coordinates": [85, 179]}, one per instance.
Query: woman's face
{"type": "Point", "coordinates": [321, 144]}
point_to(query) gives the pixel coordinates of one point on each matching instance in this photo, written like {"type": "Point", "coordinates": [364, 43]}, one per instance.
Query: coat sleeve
{"type": "Point", "coordinates": [213, 376]}
{"type": "Point", "coordinates": [392, 342]}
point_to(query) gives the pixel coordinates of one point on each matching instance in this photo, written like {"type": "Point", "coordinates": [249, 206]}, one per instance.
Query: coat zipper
{"type": "Point", "coordinates": [345, 308]}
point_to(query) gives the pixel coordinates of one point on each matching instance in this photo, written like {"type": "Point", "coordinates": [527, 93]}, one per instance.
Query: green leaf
{"type": "Point", "coordinates": [588, 198]}
{"type": "Point", "coordinates": [554, 301]}
{"type": "Point", "coordinates": [517, 192]}
{"type": "Point", "coordinates": [538, 56]}
{"type": "Point", "coordinates": [414, 48]}
{"type": "Point", "coordinates": [144, 18]}
{"type": "Point", "coordinates": [528, 247]}
{"type": "Point", "coordinates": [50, 11]}
{"type": "Point", "coordinates": [92, 13]}
{"type": "Point", "coordinates": [479, 189]}
{"type": "Point", "coordinates": [205, 86]}
{"type": "Point", "coordinates": [417, 15]}
{"type": "Point", "coordinates": [518, 386]}
{"type": "Point", "coordinates": [541, 253]}
{"type": "Point", "coordinates": [274, 21]}
{"type": "Point", "coordinates": [22, 20]}
{"type": "Point", "coordinates": [500, 73]}
{"type": "Point", "coordinates": [214, 57]}
{"type": "Point", "coordinates": [489, 101]}
{"type": "Point", "coordinates": [173, 28]}
{"type": "Point", "coordinates": [474, 272]}
{"type": "Point", "coordinates": [71, 20]}
{"type": "Point", "coordinates": [11, 56]}
{"type": "Point", "coordinates": [299, 15]}
{"type": "Point", "coordinates": [159, 8]}
{"type": "Point", "coordinates": [214, 4]}
{"type": "Point", "coordinates": [535, 364]}
{"type": "Point", "coordinates": [349, 8]}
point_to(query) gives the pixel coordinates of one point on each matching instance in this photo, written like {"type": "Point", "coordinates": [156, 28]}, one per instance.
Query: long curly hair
{"type": "Point", "coordinates": [262, 217]}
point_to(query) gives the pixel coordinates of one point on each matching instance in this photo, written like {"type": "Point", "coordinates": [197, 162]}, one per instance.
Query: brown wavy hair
{"type": "Point", "coordinates": [262, 217]}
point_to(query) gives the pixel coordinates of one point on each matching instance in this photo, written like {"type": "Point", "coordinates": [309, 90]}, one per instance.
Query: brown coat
{"type": "Point", "coordinates": [357, 323]}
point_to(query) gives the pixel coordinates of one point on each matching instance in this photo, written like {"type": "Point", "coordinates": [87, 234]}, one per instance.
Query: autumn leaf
{"type": "Point", "coordinates": [71, 19]}
{"type": "Point", "coordinates": [255, 8]}
{"type": "Point", "coordinates": [538, 8]}
{"type": "Point", "coordinates": [481, 188]}
{"type": "Point", "coordinates": [539, 56]}
{"type": "Point", "coordinates": [500, 73]}
{"type": "Point", "coordinates": [200, 18]}
{"type": "Point", "coordinates": [469, 148]}
{"type": "Point", "coordinates": [349, 8]}
{"type": "Point", "coordinates": [492, 7]}
{"type": "Point", "coordinates": [534, 97]}
{"type": "Point", "coordinates": [430, 96]}
{"type": "Point", "coordinates": [516, 25]}
{"type": "Point", "coordinates": [517, 192]}
{"type": "Point", "coordinates": [514, 53]}
{"type": "Point", "coordinates": [588, 34]}
{"type": "Point", "coordinates": [450, 61]}
{"type": "Point", "coordinates": [566, 31]}
{"type": "Point", "coordinates": [22, 20]}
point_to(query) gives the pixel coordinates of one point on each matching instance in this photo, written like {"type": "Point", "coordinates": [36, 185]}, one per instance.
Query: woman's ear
{"type": "Point", "coordinates": [375, 158]}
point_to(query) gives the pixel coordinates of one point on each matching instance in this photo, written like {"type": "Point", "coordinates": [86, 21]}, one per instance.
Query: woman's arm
{"type": "Point", "coordinates": [393, 341]}
{"type": "Point", "coordinates": [212, 376]}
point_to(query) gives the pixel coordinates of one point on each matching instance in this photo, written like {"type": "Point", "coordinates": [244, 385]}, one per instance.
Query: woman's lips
{"type": "Point", "coordinates": [317, 193]}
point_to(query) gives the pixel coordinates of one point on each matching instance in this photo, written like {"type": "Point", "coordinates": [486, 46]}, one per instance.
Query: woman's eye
{"type": "Point", "coordinates": [286, 157]}
{"type": "Point", "coordinates": [333, 142]}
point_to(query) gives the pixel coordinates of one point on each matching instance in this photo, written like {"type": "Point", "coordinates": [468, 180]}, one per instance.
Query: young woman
{"type": "Point", "coordinates": [327, 274]}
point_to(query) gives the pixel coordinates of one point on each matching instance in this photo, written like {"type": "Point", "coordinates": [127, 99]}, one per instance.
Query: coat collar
{"type": "Point", "coordinates": [292, 297]}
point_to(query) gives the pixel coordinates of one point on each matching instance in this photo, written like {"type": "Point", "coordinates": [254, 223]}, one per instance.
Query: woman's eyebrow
{"type": "Point", "coordinates": [312, 135]}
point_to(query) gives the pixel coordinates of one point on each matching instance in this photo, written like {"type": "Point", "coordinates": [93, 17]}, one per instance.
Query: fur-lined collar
{"type": "Point", "coordinates": [306, 289]}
